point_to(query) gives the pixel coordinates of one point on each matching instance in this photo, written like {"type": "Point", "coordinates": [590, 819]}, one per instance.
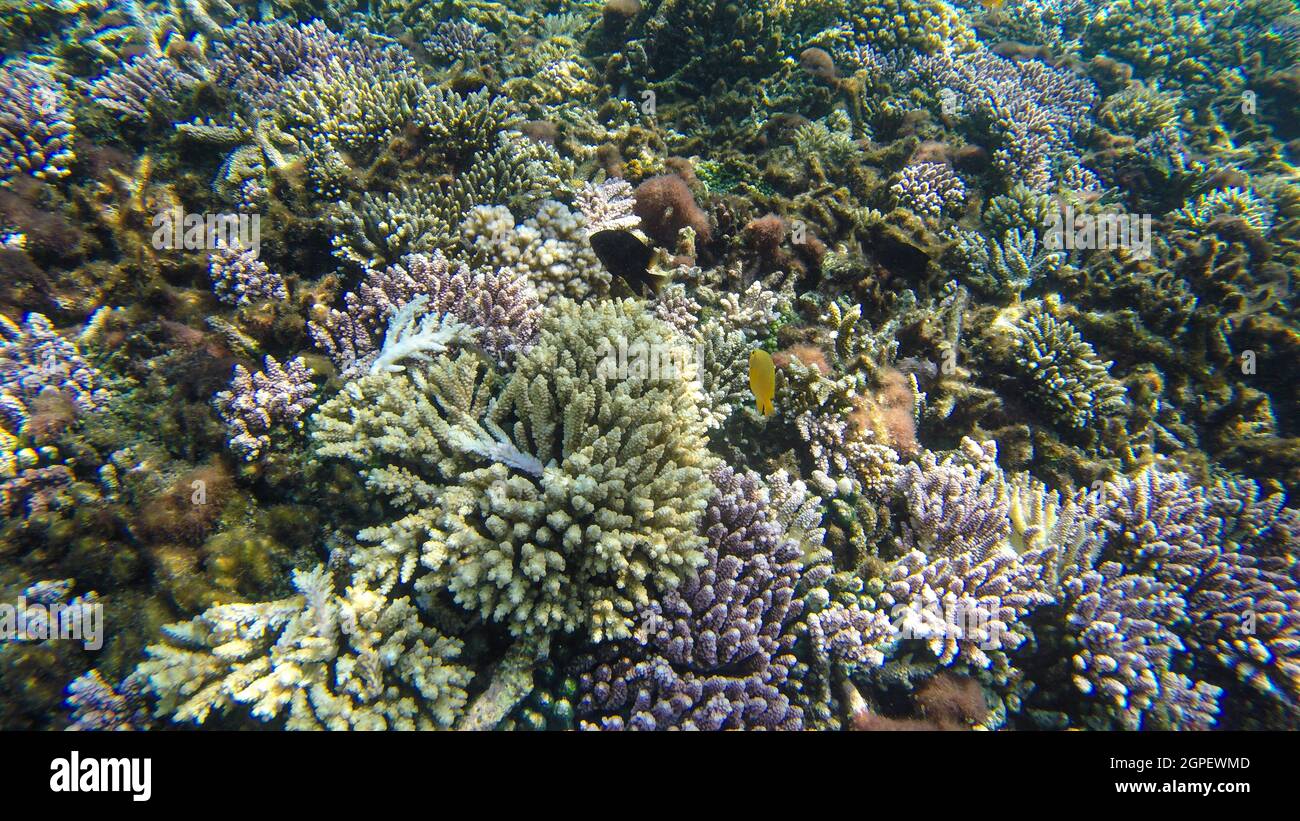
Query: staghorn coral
{"type": "Point", "coordinates": [257, 60]}
{"type": "Point", "coordinates": [1062, 370]}
{"type": "Point", "coordinates": [143, 86]}
{"type": "Point", "coordinates": [929, 189]}
{"type": "Point", "coordinates": [345, 111]}
{"type": "Point", "coordinates": [460, 40]}
{"type": "Point", "coordinates": [1229, 202]}
{"type": "Point", "coordinates": [355, 660]}
{"type": "Point", "coordinates": [1030, 111]}
{"type": "Point", "coordinates": [1222, 548]}
{"type": "Point", "coordinates": [259, 403]}
{"type": "Point", "coordinates": [608, 206]}
{"type": "Point", "coordinates": [36, 126]}
{"type": "Point", "coordinates": [714, 653]}
{"type": "Point", "coordinates": [1151, 571]}
{"type": "Point", "coordinates": [34, 359]}
{"type": "Point", "coordinates": [959, 587]}
{"type": "Point", "coordinates": [550, 250]}
{"type": "Point", "coordinates": [528, 510]}
{"type": "Point", "coordinates": [96, 705]}
{"type": "Point", "coordinates": [1007, 265]}
{"type": "Point", "coordinates": [513, 173]}
{"type": "Point", "coordinates": [499, 305]}
{"type": "Point", "coordinates": [927, 25]}
{"type": "Point", "coordinates": [847, 459]}
{"type": "Point", "coordinates": [239, 277]}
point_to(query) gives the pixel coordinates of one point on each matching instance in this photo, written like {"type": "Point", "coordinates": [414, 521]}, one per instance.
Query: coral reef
{"type": "Point", "coordinates": [258, 402]}
{"type": "Point", "coordinates": [461, 432]}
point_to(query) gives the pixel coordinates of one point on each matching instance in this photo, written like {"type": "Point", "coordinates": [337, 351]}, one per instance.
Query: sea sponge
{"type": "Point", "coordinates": [188, 509]}
{"type": "Point", "coordinates": [810, 356]}
{"type": "Point", "coordinates": [666, 205]}
{"type": "Point", "coordinates": [952, 701]}
{"type": "Point", "coordinates": [818, 63]}
{"type": "Point", "coordinates": [765, 234]}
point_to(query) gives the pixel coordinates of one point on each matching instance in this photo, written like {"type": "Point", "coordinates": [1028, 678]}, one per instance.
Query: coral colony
{"type": "Point", "coordinates": [820, 365]}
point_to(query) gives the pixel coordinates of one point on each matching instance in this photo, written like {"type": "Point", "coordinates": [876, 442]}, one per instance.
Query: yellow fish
{"type": "Point", "coordinates": [762, 380]}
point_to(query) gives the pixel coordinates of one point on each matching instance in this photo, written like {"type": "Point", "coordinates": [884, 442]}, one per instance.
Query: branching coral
{"type": "Point", "coordinates": [512, 174]}
{"type": "Point", "coordinates": [714, 653]}
{"type": "Point", "coordinates": [143, 86]}
{"type": "Point", "coordinates": [500, 307]}
{"type": "Point", "coordinates": [1007, 265]}
{"type": "Point", "coordinates": [36, 127]}
{"type": "Point", "coordinates": [1029, 109]}
{"type": "Point", "coordinates": [239, 277]}
{"type": "Point", "coordinates": [1063, 371]}
{"type": "Point", "coordinates": [960, 587]}
{"type": "Point", "coordinates": [356, 660]}
{"type": "Point", "coordinates": [561, 503]}
{"type": "Point", "coordinates": [550, 250]}
{"type": "Point", "coordinates": [927, 25]}
{"type": "Point", "coordinates": [34, 359]}
{"type": "Point", "coordinates": [929, 189]}
{"type": "Point", "coordinates": [258, 402]}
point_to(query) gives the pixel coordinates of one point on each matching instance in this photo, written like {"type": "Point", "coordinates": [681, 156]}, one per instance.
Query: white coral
{"type": "Point", "coordinates": [408, 339]}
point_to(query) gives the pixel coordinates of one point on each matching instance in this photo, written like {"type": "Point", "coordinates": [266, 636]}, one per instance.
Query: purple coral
{"type": "Point", "coordinates": [1227, 552]}
{"type": "Point", "coordinates": [964, 605]}
{"type": "Point", "coordinates": [1120, 622]}
{"type": "Point", "coordinates": [97, 705]}
{"type": "Point", "coordinates": [460, 40]}
{"type": "Point", "coordinates": [715, 653]}
{"type": "Point", "coordinates": [239, 277]}
{"type": "Point", "coordinates": [960, 588]}
{"type": "Point", "coordinates": [257, 402]}
{"type": "Point", "coordinates": [34, 357]}
{"type": "Point", "coordinates": [1171, 568]}
{"type": "Point", "coordinates": [502, 306]}
{"type": "Point", "coordinates": [259, 60]}
{"type": "Point", "coordinates": [36, 127]}
{"type": "Point", "coordinates": [1030, 109]}
{"type": "Point", "coordinates": [955, 505]}
{"type": "Point", "coordinates": [147, 84]}
{"type": "Point", "coordinates": [929, 189]}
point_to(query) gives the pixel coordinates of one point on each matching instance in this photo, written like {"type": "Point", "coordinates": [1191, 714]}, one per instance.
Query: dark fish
{"type": "Point", "coordinates": [627, 257]}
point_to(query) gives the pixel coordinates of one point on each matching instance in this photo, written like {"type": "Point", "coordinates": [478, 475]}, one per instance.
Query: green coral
{"type": "Point", "coordinates": [559, 503]}
{"type": "Point", "coordinates": [1063, 371]}
{"type": "Point", "coordinates": [351, 661]}
{"type": "Point", "coordinates": [928, 25]}
{"type": "Point", "coordinates": [1227, 202]}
